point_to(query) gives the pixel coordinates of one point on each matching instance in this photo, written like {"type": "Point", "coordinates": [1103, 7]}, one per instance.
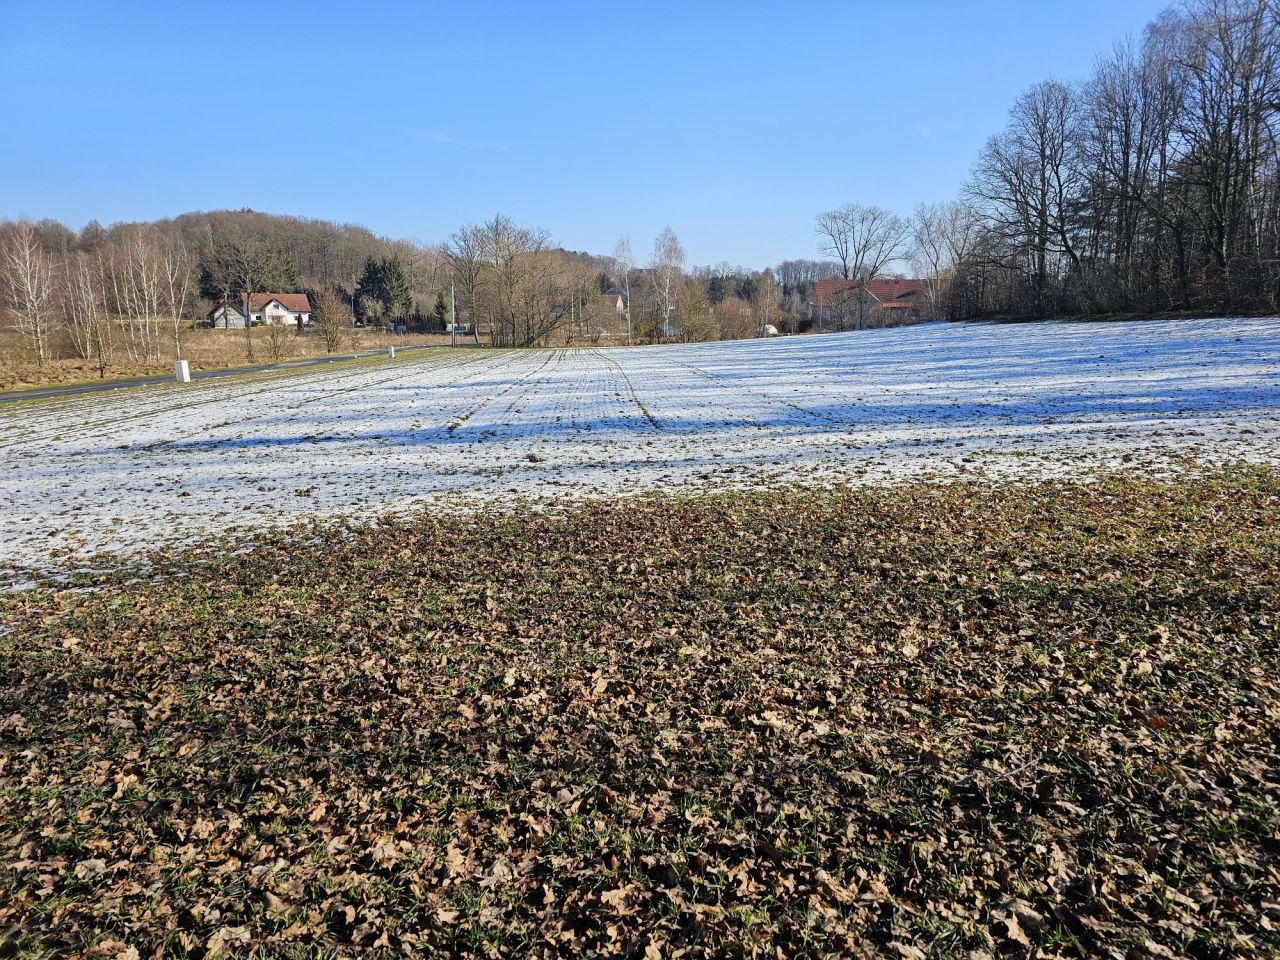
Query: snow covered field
{"type": "Point", "coordinates": [126, 470]}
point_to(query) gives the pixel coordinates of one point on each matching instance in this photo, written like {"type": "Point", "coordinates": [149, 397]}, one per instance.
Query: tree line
{"type": "Point", "coordinates": [1151, 185]}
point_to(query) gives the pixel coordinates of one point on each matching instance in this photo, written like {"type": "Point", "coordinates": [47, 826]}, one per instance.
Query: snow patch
{"type": "Point", "coordinates": [128, 470]}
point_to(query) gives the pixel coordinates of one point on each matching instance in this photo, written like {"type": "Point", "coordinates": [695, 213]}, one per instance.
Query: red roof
{"type": "Point", "coordinates": [293, 302]}
{"type": "Point", "coordinates": [884, 289]}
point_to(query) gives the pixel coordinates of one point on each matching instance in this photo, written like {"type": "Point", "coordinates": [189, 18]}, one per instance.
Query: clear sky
{"type": "Point", "coordinates": [734, 123]}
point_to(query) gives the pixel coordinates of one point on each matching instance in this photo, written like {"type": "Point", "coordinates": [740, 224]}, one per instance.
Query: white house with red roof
{"type": "Point", "coordinates": [270, 309]}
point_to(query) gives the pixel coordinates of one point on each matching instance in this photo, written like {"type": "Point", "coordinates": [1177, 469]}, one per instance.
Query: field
{"type": "Point", "coordinates": [930, 642]}
{"type": "Point", "coordinates": [129, 471]}
{"type": "Point", "coordinates": [921, 720]}
{"type": "Point", "coordinates": [205, 349]}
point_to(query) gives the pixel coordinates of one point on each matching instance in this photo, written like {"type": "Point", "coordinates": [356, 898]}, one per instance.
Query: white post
{"type": "Point", "coordinates": [391, 352]}
{"type": "Point", "coordinates": [181, 371]}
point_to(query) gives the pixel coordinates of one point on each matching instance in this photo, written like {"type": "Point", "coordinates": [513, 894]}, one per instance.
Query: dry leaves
{"type": "Point", "coordinates": [920, 721]}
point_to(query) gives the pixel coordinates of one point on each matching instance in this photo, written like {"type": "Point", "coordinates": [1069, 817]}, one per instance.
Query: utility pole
{"type": "Point", "coordinates": [453, 318]}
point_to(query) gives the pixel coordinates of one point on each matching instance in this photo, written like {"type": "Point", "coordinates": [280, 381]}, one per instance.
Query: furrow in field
{"type": "Point", "coordinates": [319, 412]}
{"type": "Point", "coordinates": [149, 424]}
{"type": "Point", "coordinates": [137, 468]}
{"type": "Point", "coordinates": [532, 368]}
{"type": "Point", "coordinates": [100, 414]}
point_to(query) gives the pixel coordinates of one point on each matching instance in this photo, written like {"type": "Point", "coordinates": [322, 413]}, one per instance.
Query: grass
{"type": "Point", "coordinates": [922, 720]}
{"type": "Point", "coordinates": [205, 349]}
{"type": "Point", "coordinates": [279, 374]}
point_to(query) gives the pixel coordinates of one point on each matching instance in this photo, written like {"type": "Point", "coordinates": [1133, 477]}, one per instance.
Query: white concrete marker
{"type": "Point", "coordinates": [391, 352]}
{"type": "Point", "coordinates": [181, 371]}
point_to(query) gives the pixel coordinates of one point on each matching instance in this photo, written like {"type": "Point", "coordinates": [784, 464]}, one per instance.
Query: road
{"type": "Point", "coordinates": [44, 393]}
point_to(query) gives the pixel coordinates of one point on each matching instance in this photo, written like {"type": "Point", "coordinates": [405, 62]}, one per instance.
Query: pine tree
{"type": "Point", "coordinates": [387, 283]}
{"type": "Point", "coordinates": [397, 288]}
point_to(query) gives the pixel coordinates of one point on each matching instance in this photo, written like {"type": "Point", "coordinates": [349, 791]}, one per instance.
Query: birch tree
{"type": "Point", "coordinates": [90, 325]}
{"type": "Point", "coordinates": [624, 262]}
{"type": "Point", "coordinates": [666, 271]}
{"type": "Point", "coordinates": [175, 264]}
{"type": "Point", "coordinates": [29, 283]}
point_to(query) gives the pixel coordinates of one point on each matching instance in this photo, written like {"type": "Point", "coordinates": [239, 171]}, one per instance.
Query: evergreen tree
{"type": "Point", "coordinates": [385, 289]}
{"type": "Point", "coordinates": [397, 288]}
{"type": "Point", "coordinates": [367, 299]}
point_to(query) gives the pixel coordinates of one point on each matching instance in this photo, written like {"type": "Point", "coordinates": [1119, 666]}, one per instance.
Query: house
{"type": "Point", "coordinates": [290, 309]}
{"type": "Point", "coordinates": [605, 320]}
{"type": "Point", "coordinates": [882, 302]}
{"type": "Point", "coordinates": [613, 304]}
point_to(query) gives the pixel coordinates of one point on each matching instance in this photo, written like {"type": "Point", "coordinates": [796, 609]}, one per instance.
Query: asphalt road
{"type": "Point", "coordinates": [47, 392]}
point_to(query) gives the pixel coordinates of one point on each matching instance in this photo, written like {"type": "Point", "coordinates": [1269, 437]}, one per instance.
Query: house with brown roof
{"type": "Point", "coordinates": [882, 302]}
{"type": "Point", "coordinates": [271, 309]}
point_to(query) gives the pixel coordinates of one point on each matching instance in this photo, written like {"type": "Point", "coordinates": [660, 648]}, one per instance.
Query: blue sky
{"type": "Point", "coordinates": [732, 123]}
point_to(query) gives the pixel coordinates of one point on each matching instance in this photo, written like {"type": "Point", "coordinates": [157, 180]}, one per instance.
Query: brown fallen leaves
{"type": "Point", "coordinates": [919, 721]}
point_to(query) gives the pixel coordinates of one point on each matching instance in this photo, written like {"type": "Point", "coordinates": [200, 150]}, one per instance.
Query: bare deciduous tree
{"type": "Point", "coordinates": [332, 320]}
{"type": "Point", "coordinates": [863, 239]}
{"type": "Point", "coordinates": [90, 325]}
{"type": "Point", "coordinates": [767, 301]}
{"type": "Point", "coordinates": [176, 268]}
{"type": "Point", "coordinates": [277, 341]}
{"type": "Point", "coordinates": [510, 278]}
{"type": "Point", "coordinates": [241, 267]}
{"type": "Point", "coordinates": [943, 238]}
{"type": "Point", "coordinates": [666, 276]}
{"type": "Point", "coordinates": [1027, 177]}
{"type": "Point", "coordinates": [135, 286]}
{"type": "Point", "coordinates": [624, 262]}
{"type": "Point", "coordinates": [465, 253]}
{"type": "Point", "coordinates": [29, 283]}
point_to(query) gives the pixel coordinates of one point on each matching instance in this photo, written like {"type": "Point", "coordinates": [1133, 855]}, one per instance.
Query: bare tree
{"type": "Point", "coordinates": [666, 272]}
{"type": "Point", "coordinates": [516, 282]}
{"type": "Point", "coordinates": [735, 318]}
{"type": "Point", "coordinates": [28, 275]}
{"type": "Point", "coordinates": [243, 266]}
{"type": "Point", "coordinates": [1027, 178]}
{"type": "Point", "coordinates": [134, 276]}
{"type": "Point", "coordinates": [465, 254]}
{"type": "Point", "coordinates": [767, 301]}
{"type": "Point", "coordinates": [175, 265]}
{"type": "Point", "coordinates": [865, 240]}
{"type": "Point", "coordinates": [332, 320]}
{"type": "Point", "coordinates": [943, 237]}
{"type": "Point", "coordinates": [277, 341]}
{"type": "Point", "coordinates": [88, 321]}
{"type": "Point", "coordinates": [624, 262]}
{"type": "Point", "coordinates": [585, 314]}
{"type": "Point", "coordinates": [1230, 53]}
